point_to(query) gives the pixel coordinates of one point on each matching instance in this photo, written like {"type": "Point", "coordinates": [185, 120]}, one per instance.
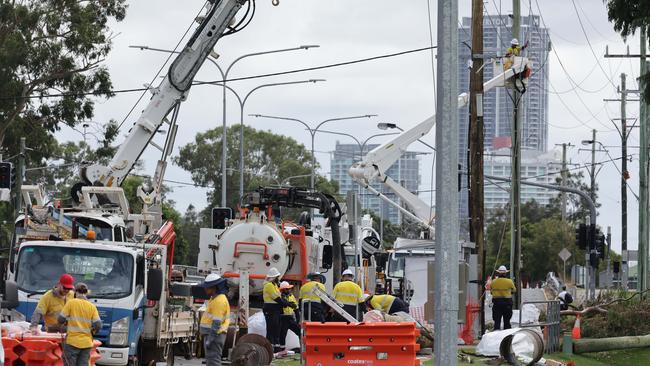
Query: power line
{"type": "Point", "coordinates": [295, 71]}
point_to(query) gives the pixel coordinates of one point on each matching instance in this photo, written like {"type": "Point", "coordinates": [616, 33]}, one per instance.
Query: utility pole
{"type": "Point", "coordinates": [515, 194]}
{"type": "Point", "coordinates": [643, 172]}
{"type": "Point", "coordinates": [476, 139]}
{"type": "Point", "coordinates": [591, 271]}
{"type": "Point", "coordinates": [609, 257]}
{"type": "Point", "coordinates": [592, 172]}
{"type": "Point", "coordinates": [563, 174]}
{"type": "Point", "coordinates": [446, 233]}
{"type": "Point", "coordinates": [624, 181]}
{"type": "Point", "coordinates": [20, 177]}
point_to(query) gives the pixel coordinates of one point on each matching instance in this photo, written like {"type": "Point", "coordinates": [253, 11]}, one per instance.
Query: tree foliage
{"type": "Point", "coordinates": [269, 159]}
{"type": "Point", "coordinates": [50, 60]}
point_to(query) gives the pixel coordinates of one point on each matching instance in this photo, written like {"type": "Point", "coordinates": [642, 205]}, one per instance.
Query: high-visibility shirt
{"type": "Point", "coordinates": [288, 310]}
{"type": "Point", "coordinates": [218, 309]}
{"type": "Point", "coordinates": [80, 314]}
{"type": "Point", "coordinates": [503, 288]}
{"type": "Point", "coordinates": [50, 306]}
{"type": "Point", "coordinates": [382, 302]}
{"type": "Point", "coordinates": [271, 292]}
{"type": "Point", "coordinates": [306, 293]}
{"type": "Point", "coordinates": [347, 293]}
{"type": "Point", "coordinates": [513, 51]}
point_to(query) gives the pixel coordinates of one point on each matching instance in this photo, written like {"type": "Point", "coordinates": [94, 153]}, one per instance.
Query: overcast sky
{"type": "Point", "coordinates": [398, 89]}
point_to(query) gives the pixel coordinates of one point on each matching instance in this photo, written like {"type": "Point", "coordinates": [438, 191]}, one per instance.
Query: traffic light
{"type": "Point", "coordinates": [617, 266]}
{"type": "Point", "coordinates": [581, 236]}
{"type": "Point", "coordinates": [601, 244]}
{"type": "Point", "coordinates": [220, 217]}
{"type": "Point", "coordinates": [7, 177]}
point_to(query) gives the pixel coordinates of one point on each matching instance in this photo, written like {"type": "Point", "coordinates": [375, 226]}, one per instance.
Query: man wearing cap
{"type": "Point", "coordinates": [215, 319]}
{"type": "Point", "coordinates": [51, 304]}
{"type": "Point", "coordinates": [82, 321]}
{"type": "Point", "coordinates": [272, 308]}
{"type": "Point", "coordinates": [502, 288]}
{"type": "Point", "coordinates": [289, 314]}
{"type": "Point", "coordinates": [310, 303]}
{"type": "Point", "coordinates": [389, 304]}
{"type": "Point", "coordinates": [349, 294]}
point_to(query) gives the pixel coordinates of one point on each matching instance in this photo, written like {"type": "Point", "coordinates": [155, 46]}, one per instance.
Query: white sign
{"type": "Point", "coordinates": [564, 254]}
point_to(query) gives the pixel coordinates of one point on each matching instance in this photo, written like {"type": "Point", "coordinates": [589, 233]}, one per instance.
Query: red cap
{"type": "Point", "coordinates": [66, 281]}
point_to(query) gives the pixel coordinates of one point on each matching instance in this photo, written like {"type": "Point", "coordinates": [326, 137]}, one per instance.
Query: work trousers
{"type": "Point", "coordinates": [288, 323]}
{"type": "Point", "coordinates": [397, 306]}
{"type": "Point", "coordinates": [213, 346]}
{"type": "Point", "coordinates": [73, 356]}
{"type": "Point", "coordinates": [501, 308]}
{"type": "Point", "coordinates": [313, 311]}
{"type": "Point", "coordinates": [272, 316]}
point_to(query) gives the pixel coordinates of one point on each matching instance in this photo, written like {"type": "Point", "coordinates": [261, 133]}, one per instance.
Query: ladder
{"type": "Point", "coordinates": [333, 304]}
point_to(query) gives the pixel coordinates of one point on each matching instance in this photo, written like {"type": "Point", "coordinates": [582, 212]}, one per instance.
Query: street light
{"type": "Point", "coordinates": [242, 103]}
{"type": "Point", "coordinates": [224, 77]}
{"type": "Point", "coordinates": [312, 132]}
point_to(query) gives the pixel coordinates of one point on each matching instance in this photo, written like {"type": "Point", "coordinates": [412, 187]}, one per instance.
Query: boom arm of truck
{"type": "Point", "coordinates": [167, 95]}
{"type": "Point", "coordinates": [374, 165]}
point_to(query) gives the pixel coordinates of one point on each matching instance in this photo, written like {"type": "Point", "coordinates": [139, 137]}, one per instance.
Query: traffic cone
{"type": "Point", "coordinates": [571, 363]}
{"type": "Point", "coordinates": [575, 333]}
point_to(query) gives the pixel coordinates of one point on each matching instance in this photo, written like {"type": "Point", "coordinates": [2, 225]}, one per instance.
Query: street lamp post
{"type": "Point", "coordinates": [224, 76]}
{"type": "Point", "coordinates": [312, 132]}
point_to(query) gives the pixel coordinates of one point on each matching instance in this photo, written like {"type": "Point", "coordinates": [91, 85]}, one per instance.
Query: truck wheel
{"type": "Point", "coordinates": [170, 356]}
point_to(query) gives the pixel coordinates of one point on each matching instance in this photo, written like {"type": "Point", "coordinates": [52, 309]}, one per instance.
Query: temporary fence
{"type": "Point", "coordinates": [39, 350]}
{"type": "Point", "coordinates": [376, 344]}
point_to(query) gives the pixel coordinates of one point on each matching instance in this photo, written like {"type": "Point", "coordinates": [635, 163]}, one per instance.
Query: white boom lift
{"type": "Point", "coordinates": [173, 90]}
{"type": "Point", "coordinates": [374, 165]}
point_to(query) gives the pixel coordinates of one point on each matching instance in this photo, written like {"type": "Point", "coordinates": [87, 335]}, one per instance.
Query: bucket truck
{"type": "Point", "coordinates": [128, 262]}
{"type": "Point", "coordinates": [372, 168]}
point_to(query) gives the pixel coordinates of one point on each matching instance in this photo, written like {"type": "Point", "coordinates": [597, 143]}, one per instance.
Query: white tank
{"type": "Point", "coordinates": [255, 245]}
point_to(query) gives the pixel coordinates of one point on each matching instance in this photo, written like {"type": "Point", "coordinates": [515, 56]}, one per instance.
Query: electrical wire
{"type": "Point", "coordinates": [295, 71]}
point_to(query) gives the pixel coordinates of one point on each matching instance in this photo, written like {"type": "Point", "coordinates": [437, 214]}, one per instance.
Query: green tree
{"type": "Point", "coordinates": [269, 159]}
{"type": "Point", "coordinates": [577, 208]}
{"type": "Point", "coordinates": [191, 228]}
{"type": "Point", "coordinates": [629, 16]}
{"type": "Point", "coordinates": [51, 53]}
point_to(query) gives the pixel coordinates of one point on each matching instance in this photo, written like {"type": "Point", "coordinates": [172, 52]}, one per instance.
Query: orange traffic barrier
{"type": "Point", "coordinates": [42, 353]}
{"type": "Point", "coordinates": [378, 344]}
{"type": "Point", "coordinates": [94, 355]}
{"type": "Point", "coordinates": [13, 351]}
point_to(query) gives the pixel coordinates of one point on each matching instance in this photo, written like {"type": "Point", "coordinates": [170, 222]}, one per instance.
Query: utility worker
{"type": "Point", "coordinates": [272, 308]}
{"type": "Point", "coordinates": [502, 289]}
{"type": "Point", "coordinates": [349, 294]}
{"type": "Point", "coordinates": [215, 319]}
{"type": "Point", "coordinates": [565, 299]}
{"type": "Point", "coordinates": [310, 303]}
{"type": "Point", "coordinates": [82, 321]}
{"type": "Point", "coordinates": [515, 49]}
{"type": "Point", "coordinates": [289, 314]}
{"type": "Point", "coordinates": [389, 304]}
{"type": "Point", "coordinates": [51, 304]}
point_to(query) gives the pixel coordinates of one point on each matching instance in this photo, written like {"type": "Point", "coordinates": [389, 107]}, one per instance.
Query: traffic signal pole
{"type": "Point", "coordinates": [19, 178]}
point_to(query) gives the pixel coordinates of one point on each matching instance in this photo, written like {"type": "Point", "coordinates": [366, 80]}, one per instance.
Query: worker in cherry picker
{"type": "Point", "coordinates": [273, 307]}
{"type": "Point", "coordinates": [502, 288]}
{"type": "Point", "coordinates": [216, 318]}
{"type": "Point", "coordinates": [290, 314]}
{"type": "Point", "coordinates": [348, 293]}
{"type": "Point", "coordinates": [512, 51]}
{"type": "Point", "coordinates": [51, 303]}
{"type": "Point", "coordinates": [312, 307]}
{"type": "Point", "coordinates": [389, 304]}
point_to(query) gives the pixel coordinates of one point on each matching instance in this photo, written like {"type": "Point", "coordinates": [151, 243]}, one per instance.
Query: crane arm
{"type": "Point", "coordinates": [169, 93]}
{"type": "Point", "coordinates": [374, 165]}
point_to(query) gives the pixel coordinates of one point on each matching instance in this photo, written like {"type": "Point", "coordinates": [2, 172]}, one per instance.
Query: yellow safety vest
{"type": "Point", "coordinates": [382, 302]}
{"type": "Point", "coordinates": [270, 292]}
{"type": "Point", "coordinates": [288, 310]}
{"type": "Point", "coordinates": [306, 291]}
{"type": "Point", "coordinates": [347, 293]}
{"type": "Point", "coordinates": [50, 307]}
{"type": "Point", "coordinates": [80, 315]}
{"type": "Point", "coordinates": [502, 288]}
{"type": "Point", "coordinates": [218, 309]}
{"type": "Point", "coordinates": [514, 51]}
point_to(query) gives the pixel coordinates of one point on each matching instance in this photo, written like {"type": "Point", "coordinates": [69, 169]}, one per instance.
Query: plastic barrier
{"type": "Point", "coordinates": [39, 350]}
{"type": "Point", "coordinates": [377, 344]}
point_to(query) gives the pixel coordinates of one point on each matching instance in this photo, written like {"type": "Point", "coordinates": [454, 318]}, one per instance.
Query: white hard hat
{"type": "Point", "coordinates": [502, 269]}
{"type": "Point", "coordinates": [285, 285]}
{"type": "Point", "coordinates": [365, 297]}
{"type": "Point", "coordinates": [515, 41]}
{"type": "Point", "coordinates": [273, 272]}
{"type": "Point", "coordinates": [347, 272]}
